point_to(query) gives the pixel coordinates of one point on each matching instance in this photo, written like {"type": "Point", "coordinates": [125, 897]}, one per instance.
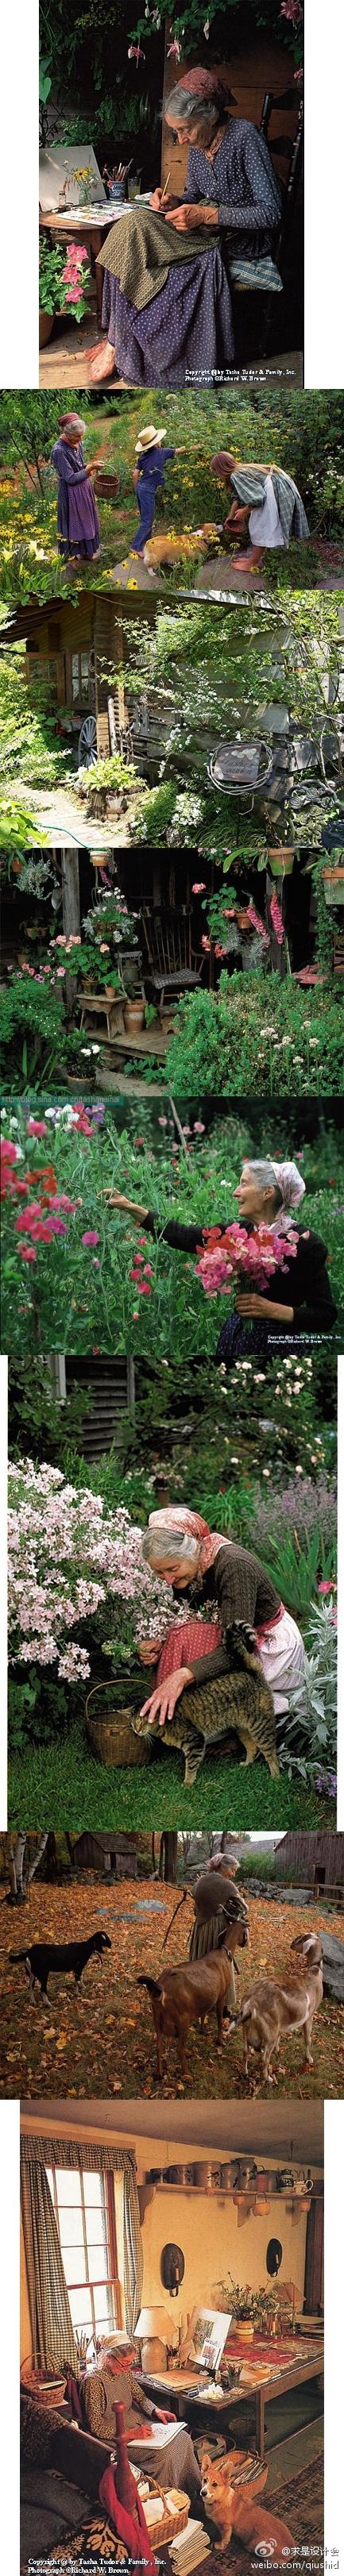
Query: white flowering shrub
{"type": "Point", "coordinates": [69, 1558]}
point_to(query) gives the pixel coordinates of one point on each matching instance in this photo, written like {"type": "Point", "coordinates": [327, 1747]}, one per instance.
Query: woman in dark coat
{"type": "Point", "coordinates": [167, 309]}
{"type": "Point", "coordinates": [181, 1549]}
{"type": "Point", "coordinates": [299, 1308]}
{"type": "Point", "coordinates": [77, 515]}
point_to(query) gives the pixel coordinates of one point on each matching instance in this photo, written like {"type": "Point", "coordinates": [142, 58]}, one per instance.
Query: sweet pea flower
{"type": "Point", "coordinates": [36, 1127]}
{"type": "Point", "coordinates": [90, 1238]}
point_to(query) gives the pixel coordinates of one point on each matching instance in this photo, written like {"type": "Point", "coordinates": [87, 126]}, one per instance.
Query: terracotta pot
{"type": "Point", "coordinates": [281, 862]}
{"type": "Point", "coordinates": [46, 326]}
{"type": "Point", "coordinates": [243, 918]}
{"type": "Point", "coordinates": [333, 884]}
{"type": "Point", "coordinates": [134, 1016]}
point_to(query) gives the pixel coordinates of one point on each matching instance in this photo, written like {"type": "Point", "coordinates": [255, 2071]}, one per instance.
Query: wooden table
{"type": "Point", "coordinates": [200, 2410]}
{"type": "Point", "coordinates": [82, 227]}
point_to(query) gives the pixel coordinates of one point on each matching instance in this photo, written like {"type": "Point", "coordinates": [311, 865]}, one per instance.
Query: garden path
{"type": "Point", "coordinates": [63, 820]}
{"type": "Point", "coordinates": [98, 2038]}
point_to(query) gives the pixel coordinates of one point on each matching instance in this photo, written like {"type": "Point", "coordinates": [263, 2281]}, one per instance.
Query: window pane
{"type": "Point", "coordinates": [93, 2190]}
{"type": "Point", "coordinates": [50, 2179]}
{"type": "Point", "coordinates": [103, 2308]}
{"type": "Point", "coordinates": [84, 676]}
{"type": "Point", "coordinates": [80, 2307]}
{"type": "Point", "coordinates": [75, 677]}
{"type": "Point", "coordinates": [96, 2229]}
{"type": "Point", "coordinates": [74, 2264]}
{"type": "Point", "coordinates": [68, 2188]}
{"type": "Point", "coordinates": [71, 2227]}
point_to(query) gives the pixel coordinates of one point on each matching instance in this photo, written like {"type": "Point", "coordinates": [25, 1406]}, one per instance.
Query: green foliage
{"type": "Point", "coordinates": [35, 1044]}
{"type": "Point", "coordinates": [38, 1711]}
{"type": "Point", "coordinates": [249, 1039]}
{"type": "Point", "coordinates": [39, 1425]}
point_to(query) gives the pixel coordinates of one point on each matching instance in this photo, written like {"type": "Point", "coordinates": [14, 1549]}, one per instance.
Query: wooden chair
{"type": "Point", "coordinates": [259, 309]}
{"type": "Point", "coordinates": [173, 965]}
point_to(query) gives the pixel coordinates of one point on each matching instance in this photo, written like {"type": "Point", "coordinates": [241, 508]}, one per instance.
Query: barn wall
{"type": "Point", "coordinates": [305, 1853]}
{"type": "Point", "coordinates": [251, 70]}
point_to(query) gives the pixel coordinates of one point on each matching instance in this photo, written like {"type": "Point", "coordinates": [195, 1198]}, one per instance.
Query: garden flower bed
{"type": "Point", "coordinates": [79, 1274]}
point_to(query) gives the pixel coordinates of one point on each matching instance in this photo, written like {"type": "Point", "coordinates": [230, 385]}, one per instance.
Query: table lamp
{"type": "Point", "coordinates": [153, 2331]}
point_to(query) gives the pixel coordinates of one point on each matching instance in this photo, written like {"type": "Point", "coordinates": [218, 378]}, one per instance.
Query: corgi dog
{"type": "Point", "coordinates": [169, 548]}
{"type": "Point", "coordinates": [231, 2496]}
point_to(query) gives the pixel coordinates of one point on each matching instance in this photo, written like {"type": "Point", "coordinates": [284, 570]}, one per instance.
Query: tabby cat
{"type": "Point", "coordinates": [239, 1699]}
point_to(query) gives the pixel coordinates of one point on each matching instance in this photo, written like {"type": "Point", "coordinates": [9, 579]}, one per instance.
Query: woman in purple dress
{"type": "Point", "coordinates": [167, 309]}
{"type": "Point", "coordinates": [77, 515]}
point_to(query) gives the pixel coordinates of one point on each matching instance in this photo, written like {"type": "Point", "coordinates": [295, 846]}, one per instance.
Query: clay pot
{"type": "Point", "coordinates": [333, 884]}
{"type": "Point", "coordinates": [243, 918]}
{"type": "Point", "coordinates": [134, 1016]}
{"type": "Point", "coordinates": [46, 326]}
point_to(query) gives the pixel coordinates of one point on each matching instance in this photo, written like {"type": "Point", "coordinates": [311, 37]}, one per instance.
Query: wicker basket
{"type": "Point", "coordinates": [107, 484]}
{"type": "Point", "coordinates": [166, 2529]}
{"type": "Point", "coordinates": [111, 1733]}
{"type": "Point", "coordinates": [48, 2389]}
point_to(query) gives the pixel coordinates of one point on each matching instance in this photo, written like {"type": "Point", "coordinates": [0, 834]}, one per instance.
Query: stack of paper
{"type": "Point", "coordinates": [190, 2547]}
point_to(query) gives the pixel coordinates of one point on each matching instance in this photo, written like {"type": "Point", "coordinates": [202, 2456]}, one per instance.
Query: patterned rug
{"type": "Point", "coordinates": [300, 2503]}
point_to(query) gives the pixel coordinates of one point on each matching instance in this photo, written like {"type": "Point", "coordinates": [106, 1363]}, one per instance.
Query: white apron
{"type": "Point", "coordinates": [264, 524]}
{"type": "Point", "coordinates": [283, 1656]}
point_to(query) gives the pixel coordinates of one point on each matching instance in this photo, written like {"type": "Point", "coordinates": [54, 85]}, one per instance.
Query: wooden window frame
{"type": "Point", "coordinates": [108, 2281]}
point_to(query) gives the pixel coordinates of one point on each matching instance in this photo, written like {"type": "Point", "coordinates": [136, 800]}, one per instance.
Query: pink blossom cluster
{"type": "Point", "coordinates": [67, 1558]}
{"type": "Point", "coordinates": [72, 271]}
{"type": "Point", "coordinates": [234, 1253]}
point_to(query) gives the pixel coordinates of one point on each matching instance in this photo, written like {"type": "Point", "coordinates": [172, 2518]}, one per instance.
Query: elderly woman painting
{"type": "Point", "coordinates": [167, 309]}
{"type": "Point", "coordinates": [266, 503]}
{"type": "Point", "coordinates": [299, 1307]}
{"type": "Point", "coordinates": [200, 1659]}
{"type": "Point", "coordinates": [77, 515]}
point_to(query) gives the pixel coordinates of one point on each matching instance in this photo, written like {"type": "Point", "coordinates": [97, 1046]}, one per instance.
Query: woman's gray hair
{"type": "Point", "coordinates": [182, 106]}
{"type": "Point", "coordinates": [265, 1174]}
{"type": "Point", "coordinates": [164, 1545]}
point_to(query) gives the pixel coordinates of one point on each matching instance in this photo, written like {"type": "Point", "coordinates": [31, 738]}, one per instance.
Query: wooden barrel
{"type": "Point", "coordinates": [110, 1730]}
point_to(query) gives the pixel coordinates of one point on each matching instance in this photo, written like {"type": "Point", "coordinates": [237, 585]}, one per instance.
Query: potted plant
{"type": "Point", "coordinates": [64, 277]}
{"type": "Point", "coordinates": [333, 882]}
{"type": "Point", "coordinates": [134, 1014]}
{"type": "Point", "coordinates": [281, 861]}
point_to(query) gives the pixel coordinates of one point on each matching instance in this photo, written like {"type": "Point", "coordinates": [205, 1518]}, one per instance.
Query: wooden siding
{"type": "Point", "coordinates": [305, 1854]}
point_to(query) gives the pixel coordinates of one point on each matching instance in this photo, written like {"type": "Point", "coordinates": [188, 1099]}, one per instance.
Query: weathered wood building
{"type": "Point", "coordinates": [313, 1860]}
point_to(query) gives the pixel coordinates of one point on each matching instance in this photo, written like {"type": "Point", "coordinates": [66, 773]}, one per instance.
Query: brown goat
{"type": "Point", "coordinates": [271, 2009]}
{"type": "Point", "coordinates": [188, 1993]}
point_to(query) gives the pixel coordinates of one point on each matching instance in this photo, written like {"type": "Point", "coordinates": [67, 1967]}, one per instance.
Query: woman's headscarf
{"type": "Point", "coordinates": [205, 87]}
{"type": "Point", "coordinates": [178, 1516]}
{"type": "Point", "coordinates": [71, 420]}
{"type": "Point", "coordinates": [289, 1181]}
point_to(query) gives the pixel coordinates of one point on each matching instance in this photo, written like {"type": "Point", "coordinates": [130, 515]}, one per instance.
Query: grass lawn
{"type": "Point", "coordinates": [98, 2038]}
{"type": "Point", "coordinates": [62, 1783]}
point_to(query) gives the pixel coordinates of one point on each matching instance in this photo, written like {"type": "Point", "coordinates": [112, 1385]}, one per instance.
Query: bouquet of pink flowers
{"type": "Point", "coordinates": [237, 1254]}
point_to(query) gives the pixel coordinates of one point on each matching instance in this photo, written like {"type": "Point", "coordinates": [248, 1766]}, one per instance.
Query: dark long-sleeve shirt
{"type": "Point", "coordinates": [152, 465]}
{"type": "Point", "coordinates": [242, 1590]}
{"type": "Point", "coordinates": [304, 1284]}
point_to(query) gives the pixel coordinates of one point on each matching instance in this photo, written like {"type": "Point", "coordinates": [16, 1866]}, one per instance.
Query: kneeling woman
{"type": "Point", "coordinates": [299, 1307]}
{"type": "Point", "coordinates": [231, 1680]}
{"type": "Point", "coordinates": [266, 503]}
{"type": "Point", "coordinates": [77, 515]}
{"type": "Point", "coordinates": [167, 309]}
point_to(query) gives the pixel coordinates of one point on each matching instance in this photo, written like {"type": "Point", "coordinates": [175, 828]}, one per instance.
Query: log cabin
{"type": "Point", "coordinates": [164, 2229]}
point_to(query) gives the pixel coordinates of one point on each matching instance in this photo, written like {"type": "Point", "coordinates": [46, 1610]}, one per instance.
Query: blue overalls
{"type": "Point", "coordinates": [151, 475]}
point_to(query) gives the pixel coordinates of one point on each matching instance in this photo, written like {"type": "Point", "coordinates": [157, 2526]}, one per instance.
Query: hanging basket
{"type": "Point", "coordinates": [243, 918]}
{"type": "Point", "coordinates": [46, 2385]}
{"type": "Point", "coordinates": [333, 884]}
{"type": "Point", "coordinates": [110, 1730]}
{"type": "Point", "coordinates": [281, 862]}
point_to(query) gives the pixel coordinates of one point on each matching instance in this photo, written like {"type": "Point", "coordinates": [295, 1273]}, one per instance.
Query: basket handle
{"type": "Point", "coordinates": [97, 1686]}
{"type": "Point", "coordinates": [50, 2363]}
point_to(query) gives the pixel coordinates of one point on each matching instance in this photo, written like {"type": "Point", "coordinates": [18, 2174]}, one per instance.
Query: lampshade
{"type": "Point", "coordinates": [152, 2321]}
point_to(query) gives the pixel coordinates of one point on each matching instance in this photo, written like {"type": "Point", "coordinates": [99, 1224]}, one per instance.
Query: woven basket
{"type": "Point", "coordinates": [40, 2383]}
{"type": "Point", "coordinates": [111, 1734]}
{"type": "Point", "coordinates": [107, 484]}
{"type": "Point", "coordinates": [166, 2529]}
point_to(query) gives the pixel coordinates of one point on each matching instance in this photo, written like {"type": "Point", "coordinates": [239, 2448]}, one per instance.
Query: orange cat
{"type": "Point", "coordinates": [234, 2507]}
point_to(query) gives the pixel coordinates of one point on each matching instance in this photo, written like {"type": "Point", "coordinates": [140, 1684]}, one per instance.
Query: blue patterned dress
{"type": "Point", "coordinates": [77, 515]}
{"type": "Point", "coordinates": [185, 334]}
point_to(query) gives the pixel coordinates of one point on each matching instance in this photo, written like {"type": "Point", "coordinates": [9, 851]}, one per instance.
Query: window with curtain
{"type": "Point", "coordinates": [85, 2212]}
